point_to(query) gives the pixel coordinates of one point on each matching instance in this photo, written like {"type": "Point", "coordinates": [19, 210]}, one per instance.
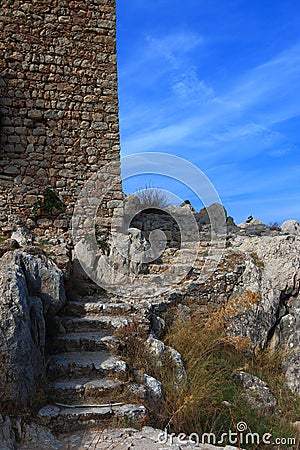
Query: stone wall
{"type": "Point", "coordinates": [59, 105]}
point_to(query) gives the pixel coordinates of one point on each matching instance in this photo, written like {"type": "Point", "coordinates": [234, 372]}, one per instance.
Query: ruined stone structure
{"type": "Point", "coordinates": [59, 105]}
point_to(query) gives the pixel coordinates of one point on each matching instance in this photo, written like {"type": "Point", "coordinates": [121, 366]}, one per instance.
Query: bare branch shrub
{"type": "Point", "coordinates": [152, 197]}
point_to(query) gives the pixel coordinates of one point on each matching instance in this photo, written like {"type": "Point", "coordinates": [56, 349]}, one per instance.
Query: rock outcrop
{"type": "Point", "coordinates": [257, 393]}
{"type": "Point", "coordinates": [16, 433]}
{"type": "Point", "coordinates": [291, 227]}
{"type": "Point", "coordinates": [274, 274]}
{"type": "Point", "coordinates": [257, 280]}
{"type": "Point", "coordinates": [31, 289]}
{"type": "Point", "coordinates": [147, 438]}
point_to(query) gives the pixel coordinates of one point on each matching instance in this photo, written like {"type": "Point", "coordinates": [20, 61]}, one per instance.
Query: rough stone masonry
{"type": "Point", "coordinates": [59, 105]}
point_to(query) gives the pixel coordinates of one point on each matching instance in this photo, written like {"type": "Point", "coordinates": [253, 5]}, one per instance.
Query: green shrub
{"type": "Point", "coordinates": [48, 203]}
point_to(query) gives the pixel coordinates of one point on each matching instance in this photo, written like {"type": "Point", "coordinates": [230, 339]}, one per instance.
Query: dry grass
{"type": "Point", "coordinates": [210, 400]}
{"type": "Point", "coordinates": [211, 359]}
{"type": "Point", "coordinates": [257, 261]}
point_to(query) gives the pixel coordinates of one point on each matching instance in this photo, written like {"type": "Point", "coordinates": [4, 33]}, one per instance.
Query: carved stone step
{"type": "Point", "coordinates": [77, 364]}
{"type": "Point", "coordinates": [71, 389]}
{"type": "Point", "coordinates": [65, 419]}
{"type": "Point", "coordinates": [78, 308]}
{"type": "Point", "coordinates": [85, 341]}
{"type": "Point", "coordinates": [94, 322]}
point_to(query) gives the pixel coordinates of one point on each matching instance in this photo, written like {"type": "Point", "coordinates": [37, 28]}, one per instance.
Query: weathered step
{"type": "Point", "coordinates": [85, 341]}
{"type": "Point", "coordinates": [174, 268]}
{"type": "Point", "coordinates": [64, 418]}
{"type": "Point", "coordinates": [94, 322]}
{"type": "Point", "coordinates": [82, 307]}
{"type": "Point", "coordinates": [158, 268]}
{"type": "Point", "coordinates": [77, 364]}
{"type": "Point", "coordinates": [68, 390]}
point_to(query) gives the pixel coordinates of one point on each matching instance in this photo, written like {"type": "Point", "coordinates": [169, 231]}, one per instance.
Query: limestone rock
{"type": "Point", "coordinates": [36, 437]}
{"type": "Point", "coordinates": [273, 272]}
{"type": "Point", "coordinates": [62, 257]}
{"type": "Point", "coordinates": [260, 276]}
{"type": "Point", "coordinates": [23, 236]}
{"type": "Point", "coordinates": [292, 375]}
{"type": "Point", "coordinates": [291, 227]}
{"type": "Point", "coordinates": [153, 385]}
{"type": "Point", "coordinates": [8, 245]}
{"type": "Point", "coordinates": [157, 324]}
{"type": "Point", "coordinates": [257, 393]}
{"type": "Point", "coordinates": [7, 434]}
{"type": "Point", "coordinates": [214, 214]}
{"type": "Point", "coordinates": [124, 438]}
{"type": "Point", "coordinates": [254, 227]}
{"type": "Point", "coordinates": [250, 222]}
{"type": "Point", "coordinates": [22, 335]}
{"type": "Point", "coordinates": [30, 287]}
{"type": "Point", "coordinates": [44, 278]}
{"type": "Point", "coordinates": [231, 226]}
{"type": "Point", "coordinates": [158, 348]}
{"type": "Point", "coordinates": [15, 434]}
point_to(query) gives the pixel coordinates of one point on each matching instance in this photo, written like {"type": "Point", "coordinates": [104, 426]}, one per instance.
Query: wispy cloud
{"type": "Point", "coordinates": [173, 47]}
{"type": "Point", "coordinates": [226, 117]}
{"type": "Point", "coordinates": [154, 56]}
{"type": "Point", "coordinates": [188, 86]}
{"type": "Point", "coordinates": [231, 133]}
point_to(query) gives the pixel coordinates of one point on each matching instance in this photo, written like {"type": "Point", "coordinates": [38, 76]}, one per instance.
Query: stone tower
{"type": "Point", "coordinates": [59, 105]}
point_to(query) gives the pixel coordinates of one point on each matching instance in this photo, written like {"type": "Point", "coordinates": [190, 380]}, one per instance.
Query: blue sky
{"type": "Point", "coordinates": [216, 83]}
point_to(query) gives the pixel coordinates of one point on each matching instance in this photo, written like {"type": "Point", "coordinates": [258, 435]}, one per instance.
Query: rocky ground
{"type": "Point", "coordinates": [71, 346]}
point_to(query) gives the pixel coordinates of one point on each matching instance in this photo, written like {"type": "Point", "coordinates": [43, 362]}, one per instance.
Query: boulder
{"type": "Point", "coordinates": [254, 227]}
{"type": "Point", "coordinates": [154, 386]}
{"type": "Point", "coordinates": [23, 236]}
{"type": "Point", "coordinates": [45, 279]}
{"type": "Point", "coordinates": [8, 245]}
{"type": "Point", "coordinates": [17, 433]}
{"type": "Point", "coordinates": [158, 348]}
{"type": "Point", "coordinates": [292, 374]}
{"type": "Point", "coordinates": [257, 393]}
{"type": "Point", "coordinates": [250, 223]}
{"type": "Point", "coordinates": [7, 434]}
{"type": "Point", "coordinates": [214, 214]}
{"type": "Point", "coordinates": [61, 254]}
{"type": "Point", "coordinates": [291, 227]}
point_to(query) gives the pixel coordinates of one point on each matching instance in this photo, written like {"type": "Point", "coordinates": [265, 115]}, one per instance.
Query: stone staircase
{"type": "Point", "coordinates": [176, 262]}
{"type": "Point", "coordinates": [89, 385]}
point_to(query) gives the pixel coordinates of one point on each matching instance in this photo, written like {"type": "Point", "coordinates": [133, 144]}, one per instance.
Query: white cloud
{"type": "Point", "coordinates": [187, 85]}
{"type": "Point", "coordinates": [173, 47]}
{"type": "Point", "coordinates": [272, 82]}
{"type": "Point", "coordinates": [231, 128]}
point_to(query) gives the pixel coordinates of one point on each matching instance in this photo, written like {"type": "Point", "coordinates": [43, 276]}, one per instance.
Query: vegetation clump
{"type": "Point", "coordinates": [152, 197]}
{"type": "Point", "coordinates": [211, 399]}
{"type": "Point", "coordinates": [48, 203]}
